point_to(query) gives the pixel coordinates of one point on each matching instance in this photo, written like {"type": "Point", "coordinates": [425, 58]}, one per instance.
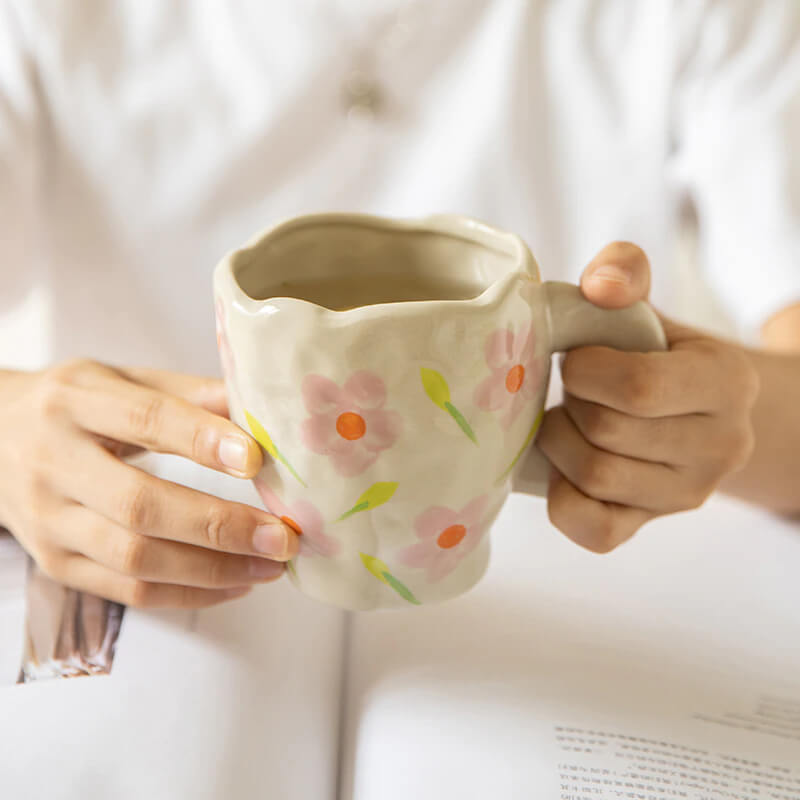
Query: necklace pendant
{"type": "Point", "coordinates": [363, 97]}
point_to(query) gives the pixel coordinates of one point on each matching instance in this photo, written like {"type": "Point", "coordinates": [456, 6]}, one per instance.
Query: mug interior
{"type": "Point", "coordinates": [344, 264]}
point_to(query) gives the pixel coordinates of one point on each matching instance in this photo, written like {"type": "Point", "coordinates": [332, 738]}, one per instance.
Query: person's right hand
{"type": "Point", "coordinates": [97, 524]}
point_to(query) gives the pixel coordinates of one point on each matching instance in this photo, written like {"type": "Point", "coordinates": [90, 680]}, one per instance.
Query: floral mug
{"type": "Point", "coordinates": [395, 374]}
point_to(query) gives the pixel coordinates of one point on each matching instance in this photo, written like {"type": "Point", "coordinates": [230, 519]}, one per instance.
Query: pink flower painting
{"type": "Point", "coordinates": [445, 538]}
{"type": "Point", "coordinates": [516, 374]}
{"type": "Point", "coordinates": [223, 345]}
{"type": "Point", "coordinates": [348, 423]}
{"type": "Point", "coordinates": [304, 518]}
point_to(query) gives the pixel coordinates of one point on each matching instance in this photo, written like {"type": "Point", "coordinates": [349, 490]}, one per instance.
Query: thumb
{"type": "Point", "coordinates": [617, 277]}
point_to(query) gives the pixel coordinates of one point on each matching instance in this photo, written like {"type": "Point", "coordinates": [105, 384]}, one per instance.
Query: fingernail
{"type": "Point", "coordinates": [613, 273]}
{"type": "Point", "coordinates": [272, 540]}
{"type": "Point", "coordinates": [265, 569]}
{"type": "Point", "coordinates": [232, 452]}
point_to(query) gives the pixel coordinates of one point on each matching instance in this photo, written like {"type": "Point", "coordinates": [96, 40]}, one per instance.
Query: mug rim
{"type": "Point", "coordinates": [457, 226]}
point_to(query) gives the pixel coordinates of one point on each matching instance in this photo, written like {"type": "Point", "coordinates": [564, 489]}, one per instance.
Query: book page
{"type": "Point", "coordinates": [597, 763]}
{"type": "Point", "coordinates": [667, 669]}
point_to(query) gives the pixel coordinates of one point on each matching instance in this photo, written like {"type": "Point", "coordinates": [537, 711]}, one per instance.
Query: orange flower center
{"type": "Point", "coordinates": [293, 525]}
{"type": "Point", "coordinates": [451, 536]}
{"type": "Point", "coordinates": [351, 426]}
{"type": "Point", "coordinates": [514, 378]}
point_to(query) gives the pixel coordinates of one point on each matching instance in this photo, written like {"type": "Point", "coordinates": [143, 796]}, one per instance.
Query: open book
{"type": "Point", "coordinates": [669, 669]}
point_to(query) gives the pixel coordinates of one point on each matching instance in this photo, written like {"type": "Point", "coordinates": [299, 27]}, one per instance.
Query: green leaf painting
{"type": "Point", "coordinates": [377, 567]}
{"type": "Point", "coordinates": [459, 418]}
{"type": "Point", "coordinates": [401, 589]}
{"type": "Point", "coordinates": [439, 392]}
{"type": "Point", "coordinates": [435, 387]}
{"type": "Point", "coordinates": [265, 440]}
{"type": "Point", "coordinates": [381, 571]}
{"type": "Point", "coordinates": [376, 495]}
{"type": "Point", "coordinates": [528, 439]}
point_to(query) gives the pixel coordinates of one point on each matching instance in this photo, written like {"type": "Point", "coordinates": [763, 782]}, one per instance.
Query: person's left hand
{"type": "Point", "coordinates": [642, 434]}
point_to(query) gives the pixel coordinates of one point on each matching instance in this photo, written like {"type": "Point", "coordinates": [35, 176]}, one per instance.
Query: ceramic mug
{"type": "Point", "coordinates": [395, 374]}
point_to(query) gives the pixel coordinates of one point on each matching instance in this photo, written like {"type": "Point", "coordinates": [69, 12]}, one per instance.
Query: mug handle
{"type": "Point", "coordinates": [573, 321]}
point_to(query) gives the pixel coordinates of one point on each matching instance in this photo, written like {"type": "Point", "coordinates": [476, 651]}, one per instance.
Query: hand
{"type": "Point", "coordinates": [95, 523]}
{"type": "Point", "coordinates": [642, 434]}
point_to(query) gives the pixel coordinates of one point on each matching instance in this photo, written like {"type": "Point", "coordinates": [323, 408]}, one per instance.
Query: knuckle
{"type": "Point", "coordinates": [698, 495]}
{"type": "Point", "coordinates": [53, 396]}
{"type": "Point", "coordinates": [603, 533]}
{"type": "Point", "coordinates": [601, 542]}
{"type": "Point", "coordinates": [200, 444]}
{"type": "Point", "coordinates": [219, 527]}
{"type": "Point", "coordinates": [70, 371]}
{"type": "Point", "coordinates": [559, 508]}
{"type": "Point", "coordinates": [191, 597]}
{"type": "Point", "coordinates": [217, 573]}
{"type": "Point", "coordinates": [696, 490]}
{"type": "Point", "coordinates": [58, 382]}
{"type": "Point", "coordinates": [146, 420]}
{"type": "Point", "coordinates": [642, 388]}
{"type": "Point", "coordinates": [141, 594]}
{"type": "Point", "coordinates": [560, 517]}
{"type": "Point", "coordinates": [132, 556]}
{"type": "Point", "coordinates": [599, 535]}
{"type": "Point", "coordinates": [50, 562]}
{"type": "Point", "coordinates": [597, 476]}
{"type": "Point", "coordinates": [136, 508]}
{"type": "Point", "coordinates": [36, 487]}
{"type": "Point", "coordinates": [601, 427]}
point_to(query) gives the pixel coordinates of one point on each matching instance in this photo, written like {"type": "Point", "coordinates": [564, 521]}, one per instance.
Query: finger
{"type": "Point", "coordinates": [145, 417]}
{"type": "Point", "coordinates": [597, 526]}
{"type": "Point", "coordinates": [77, 528]}
{"type": "Point", "coordinates": [617, 276]}
{"type": "Point", "coordinates": [151, 506]}
{"type": "Point", "coordinates": [650, 385]}
{"type": "Point", "coordinates": [79, 572]}
{"type": "Point", "coordinates": [662, 439]}
{"type": "Point", "coordinates": [607, 476]}
{"type": "Point", "coordinates": [208, 393]}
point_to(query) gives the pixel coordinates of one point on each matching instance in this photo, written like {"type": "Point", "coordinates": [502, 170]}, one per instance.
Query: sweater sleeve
{"type": "Point", "coordinates": [737, 150]}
